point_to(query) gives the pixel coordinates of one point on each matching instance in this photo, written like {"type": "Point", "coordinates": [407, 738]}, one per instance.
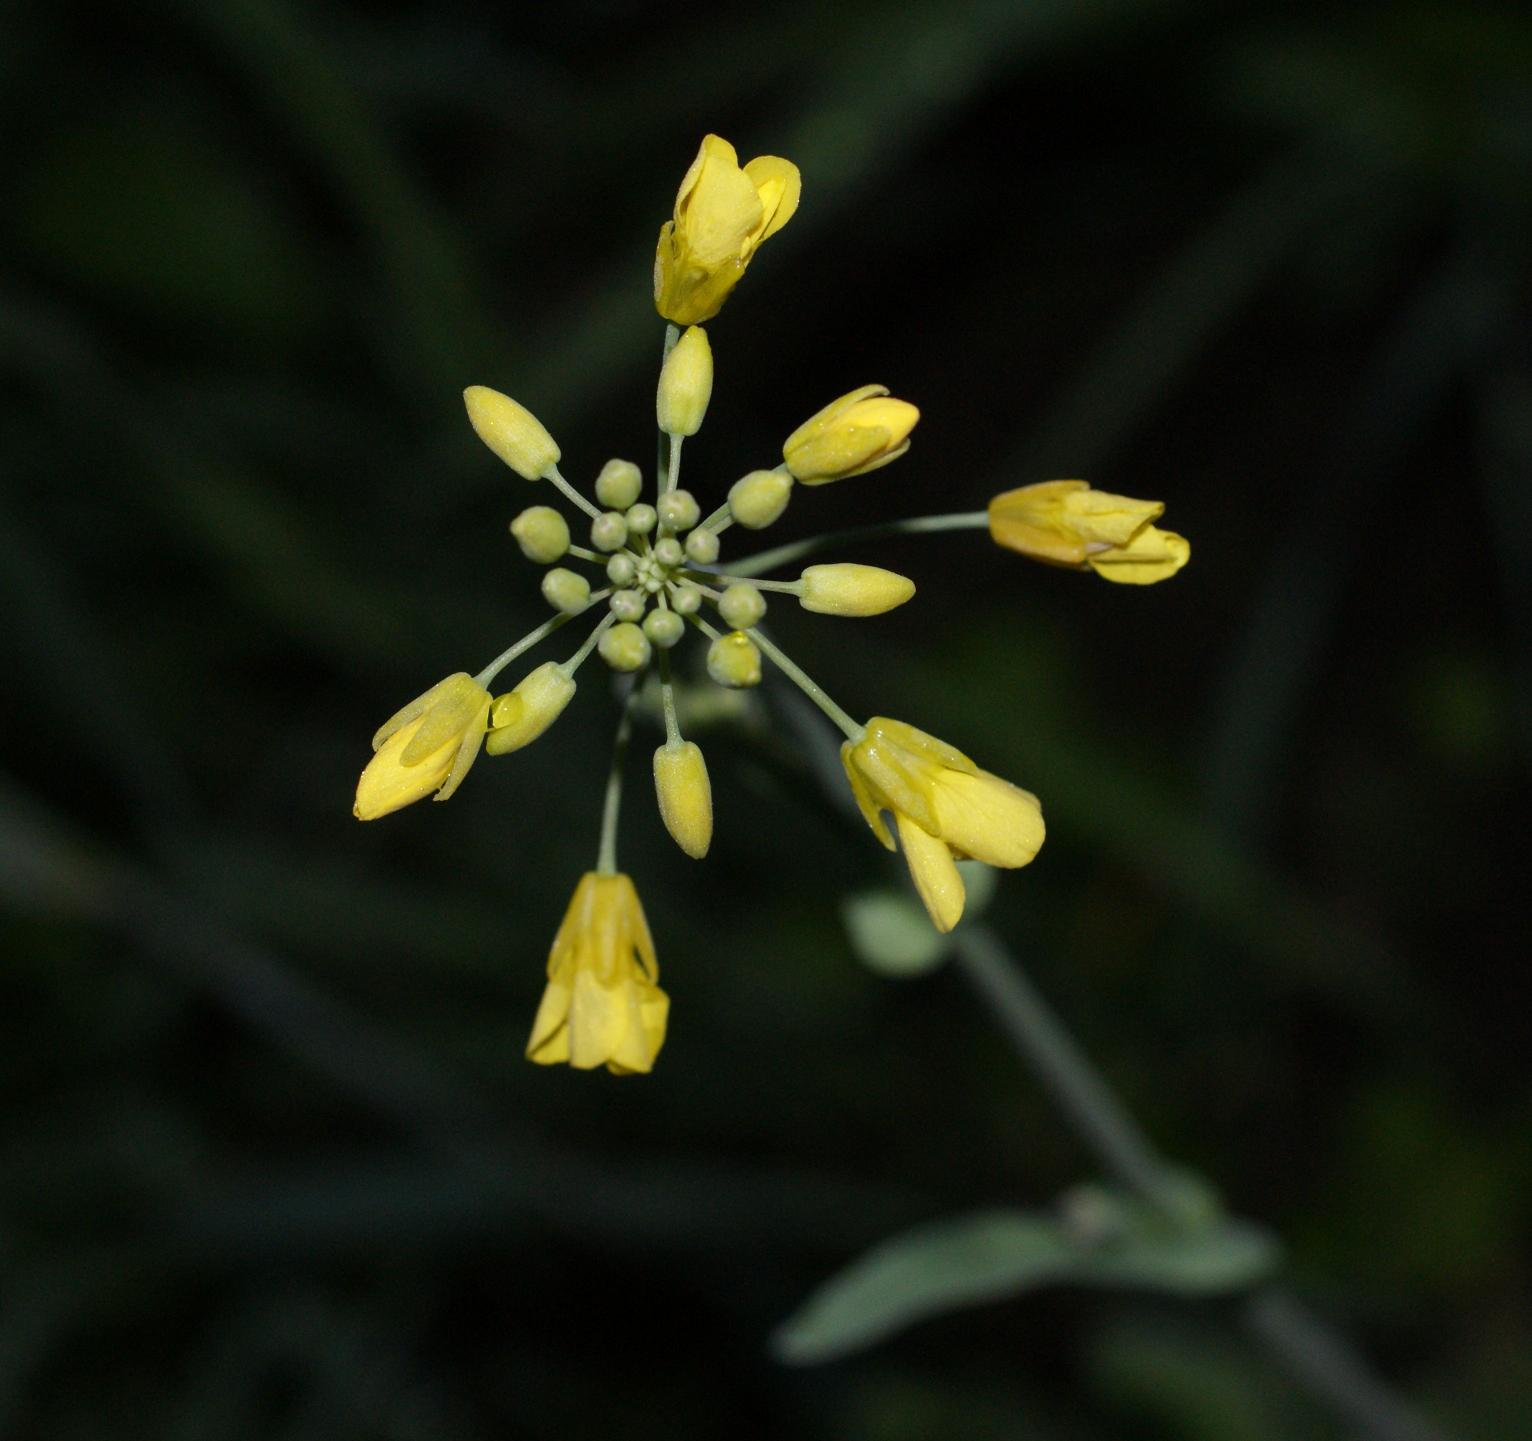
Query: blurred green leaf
{"type": "Point", "coordinates": [993, 1254]}
{"type": "Point", "coordinates": [891, 935]}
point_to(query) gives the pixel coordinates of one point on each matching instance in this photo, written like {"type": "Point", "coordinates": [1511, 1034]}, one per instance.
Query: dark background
{"type": "Point", "coordinates": [272, 1164]}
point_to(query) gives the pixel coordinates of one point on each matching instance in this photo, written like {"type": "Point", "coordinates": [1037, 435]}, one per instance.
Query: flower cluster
{"type": "Point", "coordinates": [652, 570]}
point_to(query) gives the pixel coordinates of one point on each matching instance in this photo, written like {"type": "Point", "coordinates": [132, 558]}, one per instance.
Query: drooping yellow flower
{"type": "Point", "coordinates": [427, 746]}
{"type": "Point", "coordinates": [864, 429]}
{"type": "Point", "coordinates": [945, 807]}
{"type": "Point", "coordinates": [1065, 522]}
{"type": "Point", "coordinates": [723, 214]}
{"type": "Point", "coordinates": [603, 1005]}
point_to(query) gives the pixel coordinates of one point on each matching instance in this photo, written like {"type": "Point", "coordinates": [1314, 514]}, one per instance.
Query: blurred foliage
{"type": "Point", "coordinates": [272, 1165]}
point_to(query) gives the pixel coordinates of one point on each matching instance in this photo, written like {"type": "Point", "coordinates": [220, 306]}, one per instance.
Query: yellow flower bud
{"type": "Point", "coordinates": [619, 484]}
{"type": "Point", "coordinates": [566, 590]}
{"type": "Point", "coordinates": [741, 605]}
{"type": "Point", "coordinates": [733, 661]}
{"type": "Point", "coordinates": [1066, 523]}
{"type": "Point", "coordinates": [702, 547]}
{"type": "Point", "coordinates": [603, 1005]}
{"type": "Point", "coordinates": [519, 716]}
{"type": "Point", "coordinates": [686, 384]}
{"type": "Point", "coordinates": [685, 796]}
{"type": "Point", "coordinates": [664, 628]}
{"type": "Point", "coordinates": [678, 510]}
{"type": "Point", "coordinates": [722, 215]}
{"type": "Point", "coordinates": [427, 746]}
{"type": "Point", "coordinates": [853, 589]}
{"type": "Point", "coordinates": [759, 498]}
{"type": "Point", "coordinates": [511, 431]}
{"type": "Point", "coordinates": [861, 431]}
{"type": "Point", "coordinates": [945, 808]}
{"type": "Point", "coordinates": [542, 533]}
{"type": "Point", "coordinates": [625, 647]}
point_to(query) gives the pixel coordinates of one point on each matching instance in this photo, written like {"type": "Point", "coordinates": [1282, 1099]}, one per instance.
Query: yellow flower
{"type": "Point", "coordinates": [603, 1005]}
{"type": "Point", "coordinates": [722, 215]}
{"type": "Point", "coordinates": [1065, 522]}
{"type": "Point", "coordinates": [428, 746]}
{"type": "Point", "coordinates": [859, 432]}
{"type": "Point", "coordinates": [945, 807]}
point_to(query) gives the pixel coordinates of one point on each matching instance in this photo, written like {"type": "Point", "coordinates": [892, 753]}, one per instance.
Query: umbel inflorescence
{"type": "Point", "coordinates": [651, 569]}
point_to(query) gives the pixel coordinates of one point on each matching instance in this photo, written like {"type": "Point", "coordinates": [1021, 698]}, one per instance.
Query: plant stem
{"type": "Point", "coordinates": [1316, 1356]}
{"type": "Point", "coordinates": [606, 854]}
{"type": "Point", "coordinates": [571, 494]}
{"type": "Point", "coordinates": [668, 701]}
{"type": "Point", "coordinates": [1080, 1090]}
{"type": "Point", "coordinates": [813, 691]}
{"type": "Point", "coordinates": [752, 565]}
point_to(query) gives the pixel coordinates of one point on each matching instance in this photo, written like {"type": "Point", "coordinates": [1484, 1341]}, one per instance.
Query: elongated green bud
{"type": "Point", "coordinates": [853, 589]}
{"type": "Point", "coordinates": [685, 796]}
{"type": "Point", "coordinates": [521, 715]}
{"type": "Point", "coordinates": [511, 431]}
{"type": "Point", "coordinates": [759, 498]}
{"type": "Point", "coordinates": [686, 384]}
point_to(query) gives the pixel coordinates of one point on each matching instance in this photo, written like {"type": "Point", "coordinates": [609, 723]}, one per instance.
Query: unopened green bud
{"type": "Point", "coordinates": [641, 518]}
{"type": "Point", "coordinates": [679, 510]}
{"type": "Point", "coordinates": [853, 589]}
{"type": "Point", "coordinates": [741, 605]}
{"type": "Point", "coordinates": [733, 661]}
{"type": "Point", "coordinates": [511, 431]}
{"type": "Point", "coordinates": [542, 533]}
{"type": "Point", "coordinates": [619, 484]}
{"type": "Point", "coordinates": [622, 569]}
{"type": "Point", "coordinates": [565, 590]}
{"type": "Point", "coordinates": [686, 384]}
{"type": "Point", "coordinates": [624, 647]}
{"type": "Point", "coordinates": [521, 715]}
{"type": "Point", "coordinates": [686, 599]}
{"type": "Point", "coordinates": [702, 547]}
{"type": "Point", "coordinates": [759, 498]}
{"type": "Point", "coordinates": [668, 551]}
{"type": "Point", "coordinates": [685, 796]}
{"type": "Point", "coordinates": [664, 628]}
{"type": "Point", "coordinates": [609, 531]}
{"type": "Point", "coordinates": [628, 604]}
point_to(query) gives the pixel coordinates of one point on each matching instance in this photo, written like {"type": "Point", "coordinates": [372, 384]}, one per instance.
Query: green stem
{"type": "Point", "coordinates": [814, 692]}
{"type": "Point", "coordinates": [720, 520]}
{"type": "Point", "coordinates": [579, 657]}
{"type": "Point", "coordinates": [1318, 1358]}
{"type": "Point", "coordinates": [532, 637]}
{"type": "Point", "coordinates": [570, 493]}
{"type": "Point", "coordinates": [1084, 1097]}
{"type": "Point", "coordinates": [753, 565]}
{"type": "Point", "coordinates": [668, 701]}
{"type": "Point", "coordinates": [606, 853]}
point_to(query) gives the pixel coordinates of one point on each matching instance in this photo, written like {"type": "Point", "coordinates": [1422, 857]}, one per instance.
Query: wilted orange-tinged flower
{"type": "Point", "coordinates": [723, 214]}
{"type": "Point", "coordinates": [1065, 522]}
{"type": "Point", "coordinates": [603, 1005]}
{"type": "Point", "coordinates": [945, 807]}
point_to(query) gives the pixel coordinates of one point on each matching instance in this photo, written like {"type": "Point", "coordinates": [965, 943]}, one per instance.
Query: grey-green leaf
{"type": "Point", "coordinates": [925, 1272]}
{"type": "Point", "coordinates": [993, 1254]}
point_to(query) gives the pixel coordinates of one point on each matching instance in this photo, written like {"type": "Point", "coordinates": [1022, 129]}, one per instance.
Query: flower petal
{"type": "Point", "coordinates": [934, 872]}
{"type": "Point", "coordinates": [988, 818]}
